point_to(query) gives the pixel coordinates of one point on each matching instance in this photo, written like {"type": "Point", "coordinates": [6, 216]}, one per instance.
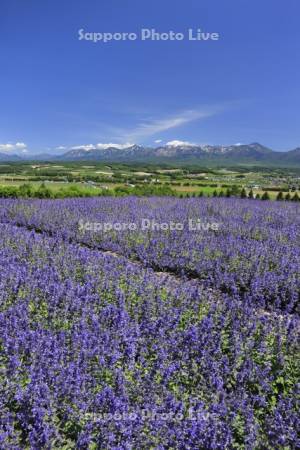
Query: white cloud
{"type": "Point", "coordinates": [153, 126]}
{"type": "Point", "coordinates": [119, 146]}
{"type": "Point", "coordinates": [101, 146]}
{"type": "Point", "coordinates": [6, 147]}
{"type": "Point", "coordinates": [61, 147]}
{"type": "Point", "coordinates": [20, 145]}
{"type": "Point", "coordinates": [13, 147]}
{"type": "Point", "coordinates": [177, 143]}
{"type": "Point", "coordinates": [83, 147]}
{"type": "Point", "coordinates": [158, 141]}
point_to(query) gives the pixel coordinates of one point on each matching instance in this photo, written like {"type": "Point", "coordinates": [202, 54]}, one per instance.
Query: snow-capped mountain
{"type": "Point", "coordinates": [175, 152]}
{"type": "Point", "coordinates": [185, 152]}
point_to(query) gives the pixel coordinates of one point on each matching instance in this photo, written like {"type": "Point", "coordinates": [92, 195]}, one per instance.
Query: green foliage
{"type": "Point", "coordinates": [43, 192]}
{"type": "Point", "coordinates": [25, 190]}
{"type": "Point", "coordinates": [234, 190]}
{"type": "Point", "coordinates": [51, 190]}
{"type": "Point", "coordinates": [147, 190]}
{"type": "Point", "coordinates": [9, 192]}
{"type": "Point", "coordinates": [243, 193]}
{"type": "Point", "coordinates": [251, 194]}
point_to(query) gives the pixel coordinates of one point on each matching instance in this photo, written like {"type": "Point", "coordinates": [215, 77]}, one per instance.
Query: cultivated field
{"type": "Point", "coordinates": [149, 323]}
{"type": "Point", "coordinates": [75, 179]}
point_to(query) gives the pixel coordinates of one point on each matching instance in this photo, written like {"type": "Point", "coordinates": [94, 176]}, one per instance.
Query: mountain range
{"type": "Point", "coordinates": [180, 153]}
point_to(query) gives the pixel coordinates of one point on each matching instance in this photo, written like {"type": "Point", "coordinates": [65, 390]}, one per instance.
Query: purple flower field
{"type": "Point", "coordinates": [149, 339]}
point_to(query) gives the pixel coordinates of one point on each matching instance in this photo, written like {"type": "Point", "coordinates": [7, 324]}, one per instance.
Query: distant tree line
{"type": "Point", "coordinates": [27, 190]}
{"type": "Point", "coordinates": [234, 191]}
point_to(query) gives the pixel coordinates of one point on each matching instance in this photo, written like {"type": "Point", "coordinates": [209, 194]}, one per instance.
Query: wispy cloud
{"type": "Point", "coordinates": [138, 131]}
{"type": "Point", "coordinates": [150, 127]}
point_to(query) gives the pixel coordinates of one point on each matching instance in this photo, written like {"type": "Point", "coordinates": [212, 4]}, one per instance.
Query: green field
{"type": "Point", "coordinates": [83, 179]}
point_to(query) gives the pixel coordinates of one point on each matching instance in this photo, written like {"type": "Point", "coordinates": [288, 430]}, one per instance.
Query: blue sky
{"type": "Point", "coordinates": [58, 92]}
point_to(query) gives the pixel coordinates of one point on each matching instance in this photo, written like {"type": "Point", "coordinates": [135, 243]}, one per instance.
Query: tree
{"type": "Point", "coordinates": [257, 197]}
{"type": "Point", "coordinates": [243, 193]}
{"type": "Point", "coordinates": [235, 190]}
{"type": "Point", "coordinates": [9, 192]}
{"type": "Point", "coordinates": [279, 196]}
{"type": "Point", "coordinates": [200, 194]}
{"type": "Point", "coordinates": [265, 196]}
{"type": "Point", "coordinates": [25, 190]}
{"type": "Point", "coordinates": [295, 197]}
{"type": "Point", "coordinates": [251, 194]}
{"type": "Point", "coordinates": [228, 192]}
{"type": "Point", "coordinates": [287, 197]}
{"type": "Point", "coordinates": [215, 193]}
{"type": "Point", "coordinates": [43, 192]}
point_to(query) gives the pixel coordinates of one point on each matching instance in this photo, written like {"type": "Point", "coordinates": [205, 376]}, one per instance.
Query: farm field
{"type": "Point", "coordinates": [120, 329]}
{"type": "Point", "coordinates": [99, 179]}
